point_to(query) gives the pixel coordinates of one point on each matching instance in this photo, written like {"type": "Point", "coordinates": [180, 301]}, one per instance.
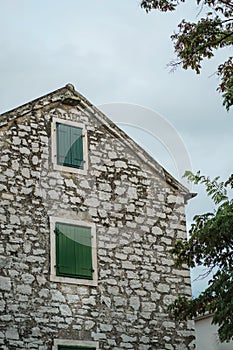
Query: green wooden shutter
{"type": "Point", "coordinates": [73, 251]}
{"type": "Point", "coordinates": [76, 147]}
{"type": "Point", "coordinates": [69, 145]}
{"type": "Point", "coordinates": [83, 252]}
{"type": "Point", "coordinates": [65, 255]}
{"type": "Point", "coordinates": [63, 144]}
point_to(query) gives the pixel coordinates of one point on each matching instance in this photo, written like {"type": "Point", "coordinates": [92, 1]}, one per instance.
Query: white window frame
{"type": "Point", "coordinates": [63, 279]}
{"type": "Point", "coordinates": [70, 342]}
{"type": "Point", "coordinates": [65, 168]}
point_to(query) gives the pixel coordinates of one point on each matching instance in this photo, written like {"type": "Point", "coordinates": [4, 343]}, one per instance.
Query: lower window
{"type": "Point", "coordinates": [73, 252]}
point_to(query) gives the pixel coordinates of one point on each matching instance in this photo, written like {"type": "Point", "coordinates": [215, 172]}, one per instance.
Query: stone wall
{"type": "Point", "coordinates": [138, 215]}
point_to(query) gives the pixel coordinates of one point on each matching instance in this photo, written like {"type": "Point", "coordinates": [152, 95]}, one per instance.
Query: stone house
{"type": "Point", "coordinates": [87, 220]}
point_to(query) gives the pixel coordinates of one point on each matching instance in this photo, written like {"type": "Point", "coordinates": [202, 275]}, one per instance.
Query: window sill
{"type": "Point", "coordinates": [68, 169]}
{"type": "Point", "coordinates": [69, 342]}
{"type": "Point", "coordinates": [77, 281]}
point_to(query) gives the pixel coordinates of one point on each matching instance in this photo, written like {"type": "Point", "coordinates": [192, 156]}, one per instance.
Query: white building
{"type": "Point", "coordinates": [207, 335]}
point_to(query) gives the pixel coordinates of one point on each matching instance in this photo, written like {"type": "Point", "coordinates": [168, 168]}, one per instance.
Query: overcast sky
{"type": "Point", "coordinates": [113, 52]}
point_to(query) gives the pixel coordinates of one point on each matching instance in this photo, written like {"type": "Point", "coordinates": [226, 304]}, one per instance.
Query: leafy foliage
{"type": "Point", "coordinates": [199, 40]}
{"type": "Point", "coordinates": [211, 245]}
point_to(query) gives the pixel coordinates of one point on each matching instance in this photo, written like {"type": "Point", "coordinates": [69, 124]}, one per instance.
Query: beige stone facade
{"type": "Point", "coordinates": [137, 211]}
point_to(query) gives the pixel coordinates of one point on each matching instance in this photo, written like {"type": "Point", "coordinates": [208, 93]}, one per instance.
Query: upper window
{"type": "Point", "coordinates": [73, 252]}
{"type": "Point", "coordinates": [69, 146]}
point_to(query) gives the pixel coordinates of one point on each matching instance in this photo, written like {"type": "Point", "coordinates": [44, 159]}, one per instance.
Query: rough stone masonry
{"type": "Point", "coordinates": [138, 212]}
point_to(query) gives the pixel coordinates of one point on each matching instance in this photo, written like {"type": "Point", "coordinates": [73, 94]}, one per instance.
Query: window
{"type": "Point", "coordinates": [73, 252]}
{"type": "Point", "coordinates": [63, 344]}
{"type": "Point", "coordinates": [69, 146]}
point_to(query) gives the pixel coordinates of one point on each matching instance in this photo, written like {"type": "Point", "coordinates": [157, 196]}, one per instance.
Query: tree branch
{"type": "Point", "coordinates": [174, 64]}
{"type": "Point", "coordinates": [226, 3]}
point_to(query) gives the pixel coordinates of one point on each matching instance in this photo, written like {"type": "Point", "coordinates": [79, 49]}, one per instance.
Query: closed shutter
{"type": "Point", "coordinates": [65, 258]}
{"type": "Point", "coordinates": [83, 252]}
{"type": "Point", "coordinates": [69, 145]}
{"type": "Point", "coordinates": [76, 147]}
{"type": "Point", "coordinates": [73, 251]}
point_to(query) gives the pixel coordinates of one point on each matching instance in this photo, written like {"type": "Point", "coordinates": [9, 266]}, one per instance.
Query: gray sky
{"type": "Point", "coordinates": [112, 51]}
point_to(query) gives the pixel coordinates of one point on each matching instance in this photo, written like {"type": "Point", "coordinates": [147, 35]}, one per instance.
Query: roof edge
{"type": "Point", "coordinates": [27, 107]}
